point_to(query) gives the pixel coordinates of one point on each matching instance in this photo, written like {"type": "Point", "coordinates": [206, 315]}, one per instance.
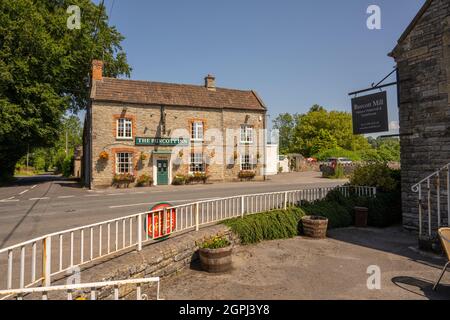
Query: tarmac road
{"type": "Point", "coordinates": [38, 205]}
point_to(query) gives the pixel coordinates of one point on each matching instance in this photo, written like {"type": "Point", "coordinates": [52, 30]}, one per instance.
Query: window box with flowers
{"type": "Point", "coordinates": [197, 177]}
{"type": "Point", "coordinates": [246, 175]}
{"type": "Point", "coordinates": [144, 181]}
{"type": "Point", "coordinates": [123, 180]}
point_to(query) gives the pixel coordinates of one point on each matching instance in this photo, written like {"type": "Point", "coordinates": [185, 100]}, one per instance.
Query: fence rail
{"type": "Point", "coordinates": [37, 261]}
{"type": "Point", "coordinates": [434, 195]}
{"type": "Point", "coordinates": [92, 287]}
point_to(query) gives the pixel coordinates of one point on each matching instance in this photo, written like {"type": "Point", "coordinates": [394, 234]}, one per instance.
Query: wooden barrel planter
{"type": "Point", "coordinates": [216, 260]}
{"type": "Point", "coordinates": [315, 227]}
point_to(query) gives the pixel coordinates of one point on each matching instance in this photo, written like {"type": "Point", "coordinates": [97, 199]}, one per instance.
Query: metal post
{"type": "Point", "coordinates": [46, 260]}
{"type": "Point", "coordinates": [438, 195]}
{"type": "Point", "coordinates": [197, 217]}
{"type": "Point", "coordinates": [139, 233]}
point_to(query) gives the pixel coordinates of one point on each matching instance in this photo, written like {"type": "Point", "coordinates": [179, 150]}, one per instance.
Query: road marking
{"type": "Point", "coordinates": [9, 200]}
{"type": "Point", "coordinates": [92, 195]}
{"type": "Point", "coordinates": [24, 191]}
{"type": "Point", "coordinates": [43, 198]}
{"type": "Point", "coordinates": [65, 197]}
{"type": "Point", "coordinates": [116, 194]}
{"type": "Point", "coordinates": [34, 186]}
{"type": "Point", "coordinates": [149, 203]}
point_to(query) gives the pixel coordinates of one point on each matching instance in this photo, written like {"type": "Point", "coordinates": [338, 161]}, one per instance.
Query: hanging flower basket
{"type": "Point", "coordinates": [143, 156]}
{"type": "Point", "coordinates": [103, 155]}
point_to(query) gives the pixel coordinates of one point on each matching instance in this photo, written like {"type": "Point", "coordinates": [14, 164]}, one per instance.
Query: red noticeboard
{"type": "Point", "coordinates": [162, 222]}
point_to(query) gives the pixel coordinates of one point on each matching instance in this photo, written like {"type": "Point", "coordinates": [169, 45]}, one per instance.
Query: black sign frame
{"type": "Point", "coordinates": [370, 113]}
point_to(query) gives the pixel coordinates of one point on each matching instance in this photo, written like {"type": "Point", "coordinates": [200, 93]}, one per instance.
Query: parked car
{"type": "Point", "coordinates": [331, 161]}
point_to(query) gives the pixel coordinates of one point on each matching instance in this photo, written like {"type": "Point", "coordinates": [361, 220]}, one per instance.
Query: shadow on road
{"type": "Point", "coordinates": [37, 179]}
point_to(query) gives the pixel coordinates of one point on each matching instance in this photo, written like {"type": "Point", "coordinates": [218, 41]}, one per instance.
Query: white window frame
{"type": "Point", "coordinates": [120, 159]}
{"type": "Point", "coordinates": [246, 134]}
{"type": "Point", "coordinates": [249, 165]}
{"type": "Point", "coordinates": [196, 158]}
{"type": "Point", "coordinates": [124, 122]}
{"type": "Point", "coordinates": [197, 131]}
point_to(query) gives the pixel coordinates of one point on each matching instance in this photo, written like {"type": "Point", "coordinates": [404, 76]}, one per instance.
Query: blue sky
{"type": "Point", "coordinates": [294, 53]}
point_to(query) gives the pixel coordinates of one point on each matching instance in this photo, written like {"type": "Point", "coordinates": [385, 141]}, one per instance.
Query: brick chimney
{"type": "Point", "coordinates": [97, 70]}
{"type": "Point", "coordinates": [210, 82]}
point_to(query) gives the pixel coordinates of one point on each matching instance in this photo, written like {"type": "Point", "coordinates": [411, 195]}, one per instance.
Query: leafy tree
{"type": "Point", "coordinates": [285, 123]}
{"type": "Point", "coordinates": [320, 130]}
{"type": "Point", "coordinates": [44, 69]}
{"type": "Point", "coordinates": [324, 134]}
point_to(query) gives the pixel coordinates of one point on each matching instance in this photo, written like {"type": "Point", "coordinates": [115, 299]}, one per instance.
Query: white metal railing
{"type": "Point", "coordinates": [431, 191]}
{"type": "Point", "coordinates": [93, 288]}
{"type": "Point", "coordinates": [38, 261]}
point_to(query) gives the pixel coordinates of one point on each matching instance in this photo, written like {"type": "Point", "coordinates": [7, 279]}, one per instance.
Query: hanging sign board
{"type": "Point", "coordinates": [370, 113]}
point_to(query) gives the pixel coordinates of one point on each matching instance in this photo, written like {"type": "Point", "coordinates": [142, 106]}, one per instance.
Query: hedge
{"type": "Point", "coordinates": [338, 216]}
{"type": "Point", "coordinates": [384, 210]}
{"type": "Point", "coordinates": [279, 224]}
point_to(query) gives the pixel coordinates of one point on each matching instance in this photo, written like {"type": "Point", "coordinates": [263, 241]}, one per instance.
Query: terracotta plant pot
{"type": "Point", "coordinates": [315, 227]}
{"type": "Point", "coordinates": [361, 214]}
{"type": "Point", "coordinates": [216, 260]}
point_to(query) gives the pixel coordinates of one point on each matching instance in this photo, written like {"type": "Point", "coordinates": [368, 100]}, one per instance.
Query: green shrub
{"type": "Point", "coordinates": [384, 210]}
{"type": "Point", "coordinates": [279, 224]}
{"type": "Point", "coordinates": [67, 166]}
{"type": "Point", "coordinates": [338, 172]}
{"type": "Point", "coordinates": [376, 175]}
{"type": "Point", "coordinates": [338, 215]}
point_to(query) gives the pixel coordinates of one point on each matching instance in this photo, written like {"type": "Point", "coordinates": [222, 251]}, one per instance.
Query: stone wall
{"type": "Point", "coordinates": [146, 123]}
{"type": "Point", "coordinates": [423, 60]}
{"type": "Point", "coordinates": [161, 259]}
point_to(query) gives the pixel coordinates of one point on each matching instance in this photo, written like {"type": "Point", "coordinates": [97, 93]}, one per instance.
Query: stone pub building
{"type": "Point", "coordinates": [162, 130]}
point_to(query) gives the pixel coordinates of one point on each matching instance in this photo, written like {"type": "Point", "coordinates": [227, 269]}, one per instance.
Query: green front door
{"type": "Point", "coordinates": [162, 172]}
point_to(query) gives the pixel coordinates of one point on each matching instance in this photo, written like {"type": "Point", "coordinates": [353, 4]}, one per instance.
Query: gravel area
{"type": "Point", "coordinates": [334, 268]}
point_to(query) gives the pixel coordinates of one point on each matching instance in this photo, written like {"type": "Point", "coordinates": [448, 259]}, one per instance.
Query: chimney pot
{"type": "Point", "coordinates": [97, 70]}
{"type": "Point", "coordinates": [210, 82]}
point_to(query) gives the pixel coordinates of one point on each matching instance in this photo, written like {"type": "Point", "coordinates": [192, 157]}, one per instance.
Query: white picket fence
{"type": "Point", "coordinates": [93, 289]}
{"type": "Point", "coordinates": [38, 261]}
